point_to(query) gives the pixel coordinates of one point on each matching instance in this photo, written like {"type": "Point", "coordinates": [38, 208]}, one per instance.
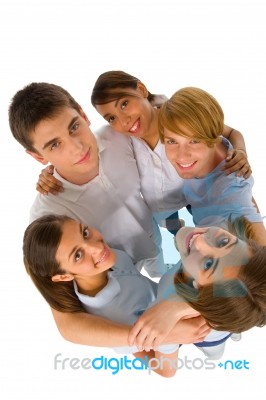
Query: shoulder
{"type": "Point", "coordinates": [107, 134]}
{"type": "Point", "coordinates": [123, 263]}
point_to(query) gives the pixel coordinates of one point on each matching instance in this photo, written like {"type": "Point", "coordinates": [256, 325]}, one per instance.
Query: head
{"type": "Point", "coordinates": [124, 102]}
{"type": "Point", "coordinates": [58, 250]}
{"type": "Point", "coordinates": [191, 124]}
{"type": "Point", "coordinates": [223, 277]}
{"type": "Point", "coordinates": [47, 121]}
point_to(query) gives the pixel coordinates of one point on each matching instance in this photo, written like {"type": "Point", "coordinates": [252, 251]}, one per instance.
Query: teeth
{"type": "Point", "coordinates": [102, 257]}
{"type": "Point", "coordinates": [134, 127]}
{"type": "Point", "coordinates": [192, 240]}
{"type": "Point", "coordinates": [186, 165]}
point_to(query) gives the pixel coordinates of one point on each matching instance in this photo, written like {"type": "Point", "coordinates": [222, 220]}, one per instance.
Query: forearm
{"type": "Point", "coordinates": [90, 330]}
{"type": "Point", "coordinates": [235, 137]}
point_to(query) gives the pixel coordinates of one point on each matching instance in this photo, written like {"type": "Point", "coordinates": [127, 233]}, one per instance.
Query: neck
{"type": "Point", "coordinates": [218, 155]}
{"type": "Point", "coordinates": [92, 285]}
{"type": "Point", "coordinates": [79, 179]}
{"type": "Point", "coordinates": [152, 136]}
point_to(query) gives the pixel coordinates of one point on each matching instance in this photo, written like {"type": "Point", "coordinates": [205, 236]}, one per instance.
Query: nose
{"type": "Point", "coordinates": [95, 244]}
{"type": "Point", "coordinates": [184, 153]}
{"type": "Point", "coordinates": [203, 243]}
{"type": "Point", "coordinates": [124, 120]}
{"type": "Point", "coordinates": [75, 145]}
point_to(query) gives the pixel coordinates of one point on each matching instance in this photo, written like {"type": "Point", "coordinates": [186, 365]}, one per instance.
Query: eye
{"type": "Point", "coordinates": [78, 255]}
{"type": "Point", "coordinates": [208, 264]}
{"type": "Point", "coordinates": [54, 145]}
{"type": "Point", "coordinates": [124, 104]}
{"type": "Point", "coordinates": [194, 141]}
{"type": "Point", "coordinates": [223, 242]}
{"type": "Point", "coordinates": [86, 232]}
{"type": "Point", "coordinates": [170, 141]}
{"type": "Point", "coordinates": [74, 127]}
{"type": "Point", "coordinates": [110, 120]}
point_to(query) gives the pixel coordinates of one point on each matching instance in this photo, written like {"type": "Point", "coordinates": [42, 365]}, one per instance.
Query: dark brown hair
{"type": "Point", "coordinates": [112, 85]}
{"type": "Point", "coordinates": [34, 103]}
{"type": "Point", "coordinates": [40, 244]}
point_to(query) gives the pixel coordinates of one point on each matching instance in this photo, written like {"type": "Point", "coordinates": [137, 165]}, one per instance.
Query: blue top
{"type": "Point", "coordinates": [217, 196]}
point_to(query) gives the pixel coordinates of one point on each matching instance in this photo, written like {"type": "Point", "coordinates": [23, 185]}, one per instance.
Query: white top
{"type": "Point", "coordinates": [161, 186]}
{"type": "Point", "coordinates": [125, 297]}
{"type": "Point", "coordinates": [217, 196]}
{"type": "Point", "coordinates": [111, 203]}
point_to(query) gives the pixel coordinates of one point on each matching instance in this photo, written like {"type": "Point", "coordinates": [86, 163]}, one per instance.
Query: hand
{"type": "Point", "coordinates": [157, 322]}
{"type": "Point", "coordinates": [186, 331]}
{"type": "Point", "coordinates": [236, 161]}
{"type": "Point", "coordinates": [47, 183]}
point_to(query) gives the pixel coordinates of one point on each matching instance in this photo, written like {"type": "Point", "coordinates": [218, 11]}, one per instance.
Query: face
{"type": "Point", "coordinates": [189, 157]}
{"type": "Point", "coordinates": [211, 254]}
{"type": "Point", "coordinates": [82, 252]}
{"type": "Point", "coordinates": [131, 115]}
{"type": "Point", "coordinates": [67, 142]}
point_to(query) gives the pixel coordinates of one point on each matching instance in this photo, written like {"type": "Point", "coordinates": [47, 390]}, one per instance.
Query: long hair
{"type": "Point", "coordinates": [40, 244]}
{"type": "Point", "coordinates": [113, 85]}
{"type": "Point", "coordinates": [233, 305]}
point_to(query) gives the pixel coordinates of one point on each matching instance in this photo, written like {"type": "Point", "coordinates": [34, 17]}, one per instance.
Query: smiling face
{"type": "Point", "coordinates": [131, 115]}
{"type": "Point", "coordinates": [190, 157]}
{"type": "Point", "coordinates": [67, 142]}
{"type": "Point", "coordinates": [211, 254]}
{"type": "Point", "coordinates": [82, 252]}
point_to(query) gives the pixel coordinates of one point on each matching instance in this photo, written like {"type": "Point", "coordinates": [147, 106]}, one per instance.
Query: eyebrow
{"type": "Point", "coordinates": [217, 260]}
{"type": "Point", "coordinates": [116, 102]}
{"type": "Point", "coordinates": [75, 247]}
{"type": "Point", "coordinates": [47, 144]}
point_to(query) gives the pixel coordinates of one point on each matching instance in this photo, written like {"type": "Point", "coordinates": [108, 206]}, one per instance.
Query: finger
{"type": "Point", "coordinates": [47, 187]}
{"type": "Point", "coordinates": [134, 333]}
{"type": "Point", "coordinates": [229, 155]}
{"type": "Point", "coordinates": [148, 343]}
{"type": "Point", "coordinates": [47, 177]}
{"type": "Point", "coordinates": [41, 190]}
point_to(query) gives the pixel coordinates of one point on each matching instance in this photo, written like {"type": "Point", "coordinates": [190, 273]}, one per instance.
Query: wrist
{"type": "Point", "coordinates": [241, 149]}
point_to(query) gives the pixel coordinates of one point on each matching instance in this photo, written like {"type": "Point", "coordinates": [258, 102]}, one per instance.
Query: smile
{"type": "Point", "coordinates": [135, 127]}
{"type": "Point", "coordinates": [84, 159]}
{"type": "Point", "coordinates": [105, 255]}
{"type": "Point", "coordinates": [186, 166]}
{"type": "Point", "coordinates": [190, 239]}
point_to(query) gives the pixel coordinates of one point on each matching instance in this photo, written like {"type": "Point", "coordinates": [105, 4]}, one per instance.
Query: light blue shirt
{"type": "Point", "coordinates": [217, 196]}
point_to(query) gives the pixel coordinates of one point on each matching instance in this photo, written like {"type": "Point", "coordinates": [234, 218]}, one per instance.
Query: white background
{"type": "Point", "coordinates": [216, 45]}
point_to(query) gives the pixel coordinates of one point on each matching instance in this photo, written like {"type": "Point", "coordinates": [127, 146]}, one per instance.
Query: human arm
{"type": "Point", "coordinates": [47, 183]}
{"type": "Point", "coordinates": [90, 330]}
{"type": "Point", "coordinates": [165, 321]}
{"type": "Point", "coordinates": [236, 160]}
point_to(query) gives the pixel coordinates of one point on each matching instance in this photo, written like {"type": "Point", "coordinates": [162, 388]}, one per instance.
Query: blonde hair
{"type": "Point", "coordinates": [195, 109]}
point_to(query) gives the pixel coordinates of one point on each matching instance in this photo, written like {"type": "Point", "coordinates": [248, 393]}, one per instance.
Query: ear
{"type": "Point", "coordinates": [142, 88]}
{"type": "Point", "coordinates": [62, 278]}
{"type": "Point", "coordinates": [82, 113]}
{"type": "Point", "coordinates": [37, 157]}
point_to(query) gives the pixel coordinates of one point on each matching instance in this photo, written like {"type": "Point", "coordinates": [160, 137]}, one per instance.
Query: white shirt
{"type": "Point", "coordinates": [161, 186]}
{"type": "Point", "coordinates": [111, 203]}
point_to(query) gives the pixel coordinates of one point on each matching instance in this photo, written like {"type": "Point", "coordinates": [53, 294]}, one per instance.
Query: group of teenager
{"type": "Point", "coordinates": [109, 192]}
